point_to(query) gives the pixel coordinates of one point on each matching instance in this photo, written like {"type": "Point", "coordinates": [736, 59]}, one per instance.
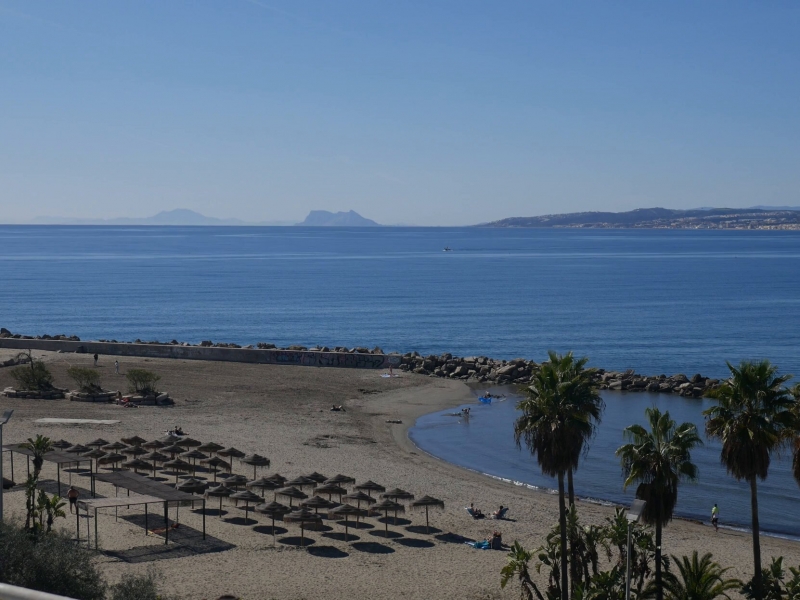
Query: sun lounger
{"type": "Point", "coordinates": [501, 514]}
{"type": "Point", "coordinates": [474, 514]}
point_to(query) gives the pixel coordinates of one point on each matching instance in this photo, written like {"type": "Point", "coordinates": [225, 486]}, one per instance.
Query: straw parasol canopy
{"type": "Point", "coordinates": [302, 516]}
{"type": "Point", "coordinates": [248, 497]}
{"type": "Point", "coordinates": [188, 442]}
{"type": "Point", "coordinates": [318, 477]}
{"type": "Point", "coordinates": [218, 491]}
{"type": "Point", "coordinates": [77, 449]}
{"type": "Point", "coordinates": [301, 482]}
{"type": "Point", "coordinates": [386, 506]}
{"type": "Point", "coordinates": [340, 480]}
{"type": "Point", "coordinates": [214, 462]}
{"type": "Point", "coordinates": [273, 510]}
{"type": "Point", "coordinates": [97, 443]}
{"type": "Point", "coordinates": [316, 503]}
{"type": "Point", "coordinates": [134, 440]}
{"type": "Point", "coordinates": [359, 497]}
{"type": "Point", "coordinates": [345, 510]}
{"type": "Point", "coordinates": [234, 480]}
{"type": "Point", "coordinates": [370, 486]}
{"type": "Point", "coordinates": [96, 453]}
{"type": "Point", "coordinates": [137, 464]}
{"type": "Point", "coordinates": [427, 502]}
{"type": "Point", "coordinates": [277, 478]}
{"type": "Point", "coordinates": [112, 457]}
{"type": "Point", "coordinates": [194, 455]}
{"type": "Point", "coordinates": [192, 485]}
{"type": "Point", "coordinates": [231, 452]}
{"type": "Point", "coordinates": [168, 439]}
{"type": "Point", "coordinates": [330, 489]}
{"type": "Point", "coordinates": [173, 449]}
{"type": "Point", "coordinates": [155, 457]}
{"type": "Point", "coordinates": [292, 493]}
{"type": "Point", "coordinates": [61, 444]}
{"type": "Point", "coordinates": [263, 483]}
{"type": "Point", "coordinates": [257, 461]}
{"type": "Point", "coordinates": [154, 445]}
{"type": "Point", "coordinates": [134, 451]}
{"type": "Point", "coordinates": [177, 464]}
{"type": "Point", "coordinates": [114, 446]}
{"type": "Point", "coordinates": [210, 447]}
{"type": "Point", "coordinates": [398, 494]}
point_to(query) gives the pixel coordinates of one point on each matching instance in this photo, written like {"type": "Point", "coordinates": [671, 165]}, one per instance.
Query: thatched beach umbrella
{"type": "Point", "coordinates": [188, 442]}
{"type": "Point", "coordinates": [300, 482]}
{"type": "Point", "coordinates": [155, 457]}
{"type": "Point", "coordinates": [136, 464]}
{"type": "Point", "coordinates": [234, 481]}
{"type": "Point", "coordinates": [173, 449]}
{"type": "Point", "coordinates": [292, 493]}
{"type": "Point", "coordinates": [359, 497]}
{"type": "Point", "coordinates": [370, 486]}
{"type": "Point", "coordinates": [97, 443]}
{"type": "Point", "coordinates": [263, 484]}
{"type": "Point", "coordinates": [273, 510]}
{"type": "Point", "coordinates": [77, 449]}
{"type": "Point", "coordinates": [210, 447]}
{"type": "Point", "coordinates": [61, 444]}
{"type": "Point", "coordinates": [316, 503]}
{"type": "Point", "coordinates": [192, 485]}
{"type": "Point", "coordinates": [386, 506]}
{"type": "Point", "coordinates": [134, 440]}
{"type": "Point", "coordinates": [427, 502]}
{"type": "Point", "coordinates": [154, 445]}
{"type": "Point", "coordinates": [231, 452]}
{"type": "Point", "coordinates": [257, 461]}
{"type": "Point", "coordinates": [96, 454]}
{"type": "Point", "coordinates": [194, 455]}
{"type": "Point", "coordinates": [168, 439]}
{"type": "Point", "coordinates": [340, 480]}
{"type": "Point", "coordinates": [134, 451]}
{"type": "Point", "coordinates": [248, 497]}
{"type": "Point", "coordinates": [330, 489]}
{"type": "Point", "coordinates": [219, 491]}
{"type": "Point", "coordinates": [277, 478]}
{"type": "Point", "coordinates": [111, 458]}
{"type": "Point", "coordinates": [397, 494]}
{"type": "Point", "coordinates": [345, 510]}
{"type": "Point", "coordinates": [302, 516]}
{"type": "Point", "coordinates": [317, 477]}
{"type": "Point", "coordinates": [113, 446]}
{"type": "Point", "coordinates": [178, 465]}
{"type": "Point", "coordinates": [214, 462]}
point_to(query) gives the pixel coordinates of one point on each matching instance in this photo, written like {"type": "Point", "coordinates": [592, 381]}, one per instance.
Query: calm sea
{"type": "Point", "coordinates": [655, 301]}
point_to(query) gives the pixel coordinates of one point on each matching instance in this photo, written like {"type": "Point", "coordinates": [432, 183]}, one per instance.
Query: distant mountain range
{"type": "Point", "coordinates": [179, 216]}
{"type": "Point", "coordinates": [323, 218]}
{"type": "Point", "coordinates": [665, 218]}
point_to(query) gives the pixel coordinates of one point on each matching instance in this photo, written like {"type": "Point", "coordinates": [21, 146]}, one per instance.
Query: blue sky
{"type": "Point", "coordinates": [430, 113]}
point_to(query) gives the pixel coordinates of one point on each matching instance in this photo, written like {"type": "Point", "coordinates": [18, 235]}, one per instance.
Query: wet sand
{"type": "Point", "coordinates": [283, 413]}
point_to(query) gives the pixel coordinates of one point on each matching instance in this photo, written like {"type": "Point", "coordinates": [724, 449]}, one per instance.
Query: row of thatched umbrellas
{"type": "Point", "coordinates": [171, 451]}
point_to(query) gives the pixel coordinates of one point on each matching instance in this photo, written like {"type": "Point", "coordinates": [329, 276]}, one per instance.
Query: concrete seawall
{"type": "Point", "coordinates": [304, 358]}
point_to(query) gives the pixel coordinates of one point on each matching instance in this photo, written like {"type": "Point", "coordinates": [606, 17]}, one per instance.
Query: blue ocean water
{"type": "Point", "coordinates": [485, 443]}
{"type": "Point", "coordinates": [662, 301]}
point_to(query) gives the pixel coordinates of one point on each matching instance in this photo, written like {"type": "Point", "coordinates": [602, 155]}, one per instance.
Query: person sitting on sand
{"type": "Point", "coordinates": [339, 408]}
{"type": "Point", "coordinates": [476, 513]}
{"type": "Point", "coordinates": [499, 513]}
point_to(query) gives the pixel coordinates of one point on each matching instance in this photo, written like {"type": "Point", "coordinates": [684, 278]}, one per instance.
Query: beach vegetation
{"type": "Point", "coordinates": [51, 563]}
{"type": "Point", "coordinates": [142, 381]}
{"type": "Point", "coordinates": [755, 415]}
{"type": "Point", "coordinates": [698, 578]}
{"type": "Point", "coordinates": [38, 446]}
{"type": "Point", "coordinates": [48, 509]}
{"type": "Point", "coordinates": [657, 461]}
{"type": "Point", "coordinates": [145, 586]}
{"type": "Point", "coordinates": [518, 567]}
{"type": "Point", "coordinates": [87, 380]}
{"type": "Point", "coordinates": [560, 413]}
{"type": "Point", "coordinates": [34, 376]}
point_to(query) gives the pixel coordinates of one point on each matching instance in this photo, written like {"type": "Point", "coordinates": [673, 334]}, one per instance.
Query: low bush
{"type": "Point", "coordinates": [87, 380]}
{"type": "Point", "coordinates": [138, 587]}
{"type": "Point", "coordinates": [142, 381]}
{"type": "Point", "coordinates": [34, 376]}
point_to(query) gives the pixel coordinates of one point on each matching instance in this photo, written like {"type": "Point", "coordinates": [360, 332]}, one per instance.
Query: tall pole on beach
{"type": "Point", "coordinates": [3, 420]}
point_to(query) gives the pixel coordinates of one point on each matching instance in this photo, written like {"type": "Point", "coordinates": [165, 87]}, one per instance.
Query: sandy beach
{"type": "Point", "coordinates": [283, 413]}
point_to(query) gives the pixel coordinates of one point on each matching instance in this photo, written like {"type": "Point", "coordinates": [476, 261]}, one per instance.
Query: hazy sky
{"type": "Point", "coordinates": [430, 112]}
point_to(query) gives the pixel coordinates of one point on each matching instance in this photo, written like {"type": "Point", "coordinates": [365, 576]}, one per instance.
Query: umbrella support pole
{"type": "Point", "coordinates": [204, 519]}
{"type": "Point", "coordinates": [166, 523]}
{"type": "Point", "coordinates": [88, 537]}
{"type": "Point", "coordinates": [220, 507]}
{"type": "Point", "coordinates": [77, 523]}
{"type": "Point", "coordinates": [12, 466]}
{"type": "Point", "coordinates": [58, 477]}
{"type": "Point", "coordinates": [146, 528]}
{"type": "Point", "coordinates": [95, 529]}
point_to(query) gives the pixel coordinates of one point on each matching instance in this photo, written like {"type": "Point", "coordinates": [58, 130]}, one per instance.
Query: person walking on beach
{"type": "Point", "coordinates": [72, 494]}
{"type": "Point", "coordinates": [116, 367]}
{"type": "Point", "coordinates": [715, 517]}
{"type": "Point", "coordinates": [95, 359]}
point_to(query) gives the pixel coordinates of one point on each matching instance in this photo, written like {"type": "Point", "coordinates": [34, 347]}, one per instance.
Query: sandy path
{"type": "Point", "coordinates": [282, 412]}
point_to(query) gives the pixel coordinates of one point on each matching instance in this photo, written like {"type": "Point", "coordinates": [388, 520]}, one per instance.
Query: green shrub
{"type": "Point", "coordinates": [87, 380]}
{"type": "Point", "coordinates": [34, 376]}
{"type": "Point", "coordinates": [50, 563]}
{"type": "Point", "coordinates": [142, 381]}
{"type": "Point", "coordinates": [138, 587]}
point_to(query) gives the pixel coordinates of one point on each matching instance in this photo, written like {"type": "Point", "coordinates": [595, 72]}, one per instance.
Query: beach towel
{"type": "Point", "coordinates": [484, 545]}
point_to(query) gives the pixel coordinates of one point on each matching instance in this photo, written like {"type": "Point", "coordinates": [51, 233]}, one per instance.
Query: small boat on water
{"type": "Point", "coordinates": [447, 249]}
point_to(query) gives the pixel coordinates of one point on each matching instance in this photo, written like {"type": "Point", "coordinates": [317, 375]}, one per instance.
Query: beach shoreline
{"type": "Point", "coordinates": [284, 413]}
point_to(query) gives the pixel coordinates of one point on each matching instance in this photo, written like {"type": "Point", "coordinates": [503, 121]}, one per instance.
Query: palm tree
{"type": "Point", "coordinates": [700, 579]}
{"type": "Point", "coordinates": [754, 416]}
{"type": "Point", "coordinates": [658, 460]}
{"type": "Point", "coordinates": [518, 559]}
{"type": "Point", "coordinates": [559, 415]}
{"type": "Point", "coordinates": [52, 507]}
{"type": "Point", "coordinates": [40, 446]}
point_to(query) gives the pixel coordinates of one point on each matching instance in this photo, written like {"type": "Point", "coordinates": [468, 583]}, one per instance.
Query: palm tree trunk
{"type": "Point", "coordinates": [574, 576]}
{"type": "Point", "coordinates": [562, 522]}
{"type": "Point", "coordinates": [570, 488]}
{"type": "Point", "coordinates": [659, 586]}
{"type": "Point", "coordinates": [756, 541]}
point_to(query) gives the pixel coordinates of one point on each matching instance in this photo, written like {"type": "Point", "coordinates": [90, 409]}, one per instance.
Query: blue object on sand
{"type": "Point", "coordinates": [484, 545]}
{"type": "Point", "coordinates": [485, 400]}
